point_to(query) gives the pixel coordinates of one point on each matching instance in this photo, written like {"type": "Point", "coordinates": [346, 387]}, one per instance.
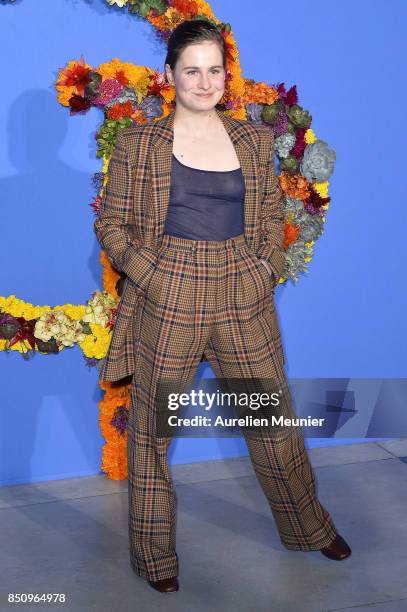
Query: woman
{"type": "Point", "coordinates": [200, 194]}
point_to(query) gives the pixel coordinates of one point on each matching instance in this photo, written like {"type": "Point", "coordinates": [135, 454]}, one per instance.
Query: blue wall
{"type": "Point", "coordinates": [344, 320]}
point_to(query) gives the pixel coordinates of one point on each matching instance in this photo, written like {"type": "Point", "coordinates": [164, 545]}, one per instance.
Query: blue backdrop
{"type": "Point", "coordinates": [345, 319]}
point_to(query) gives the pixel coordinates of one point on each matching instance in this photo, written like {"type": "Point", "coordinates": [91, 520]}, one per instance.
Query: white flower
{"type": "Point", "coordinates": [99, 307]}
{"type": "Point", "coordinates": [56, 324]}
{"type": "Point", "coordinates": [120, 3]}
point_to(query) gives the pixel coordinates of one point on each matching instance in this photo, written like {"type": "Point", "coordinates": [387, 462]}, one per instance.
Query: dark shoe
{"type": "Point", "coordinates": [337, 550]}
{"type": "Point", "coordinates": [166, 585]}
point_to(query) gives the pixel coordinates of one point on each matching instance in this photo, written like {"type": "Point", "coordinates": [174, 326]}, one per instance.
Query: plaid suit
{"type": "Point", "coordinates": [185, 298]}
{"type": "Point", "coordinates": [134, 207]}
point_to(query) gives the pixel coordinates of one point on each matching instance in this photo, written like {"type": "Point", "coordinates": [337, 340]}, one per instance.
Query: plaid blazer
{"type": "Point", "coordinates": [133, 212]}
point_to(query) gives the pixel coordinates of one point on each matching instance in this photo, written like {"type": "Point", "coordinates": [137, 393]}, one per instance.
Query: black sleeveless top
{"type": "Point", "coordinates": [205, 204]}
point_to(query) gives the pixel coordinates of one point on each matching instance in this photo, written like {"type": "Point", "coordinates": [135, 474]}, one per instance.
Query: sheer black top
{"type": "Point", "coordinates": [205, 204]}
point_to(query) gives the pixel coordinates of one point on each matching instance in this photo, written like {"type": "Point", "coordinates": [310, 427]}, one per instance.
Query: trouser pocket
{"type": "Point", "coordinates": [256, 279]}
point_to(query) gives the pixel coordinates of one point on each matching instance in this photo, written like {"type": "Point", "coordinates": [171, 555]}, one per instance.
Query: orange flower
{"type": "Point", "coordinates": [295, 185]}
{"type": "Point", "coordinates": [118, 111]}
{"type": "Point", "coordinates": [110, 277]}
{"type": "Point", "coordinates": [114, 451]}
{"type": "Point", "coordinates": [157, 22]}
{"type": "Point", "coordinates": [187, 8]}
{"type": "Point", "coordinates": [259, 93]}
{"type": "Point", "coordinates": [168, 20]}
{"type": "Point", "coordinates": [138, 117]}
{"type": "Point", "coordinates": [121, 77]}
{"type": "Point", "coordinates": [231, 50]}
{"type": "Point", "coordinates": [76, 75]}
{"type": "Point", "coordinates": [291, 233]}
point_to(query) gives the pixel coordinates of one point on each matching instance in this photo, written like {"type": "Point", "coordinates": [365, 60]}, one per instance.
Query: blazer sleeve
{"type": "Point", "coordinates": [113, 226]}
{"type": "Point", "coordinates": [272, 216]}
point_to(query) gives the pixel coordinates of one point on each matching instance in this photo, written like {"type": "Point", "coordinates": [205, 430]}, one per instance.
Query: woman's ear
{"type": "Point", "coordinates": [168, 74]}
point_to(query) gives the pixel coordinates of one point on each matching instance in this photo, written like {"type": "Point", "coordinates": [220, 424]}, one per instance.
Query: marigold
{"type": "Point", "coordinates": [118, 111]}
{"type": "Point", "coordinates": [309, 136]}
{"type": "Point", "coordinates": [259, 93]}
{"type": "Point", "coordinates": [75, 313]}
{"type": "Point", "coordinates": [125, 73]}
{"type": "Point", "coordinates": [296, 186]}
{"type": "Point", "coordinates": [322, 190]}
{"type": "Point", "coordinates": [97, 343]}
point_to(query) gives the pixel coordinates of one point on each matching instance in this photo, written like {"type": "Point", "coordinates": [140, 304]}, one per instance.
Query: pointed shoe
{"type": "Point", "coordinates": [166, 585]}
{"type": "Point", "coordinates": [337, 550]}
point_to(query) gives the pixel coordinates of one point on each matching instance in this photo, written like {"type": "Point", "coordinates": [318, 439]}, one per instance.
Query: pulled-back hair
{"type": "Point", "coordinates": [189, 32]}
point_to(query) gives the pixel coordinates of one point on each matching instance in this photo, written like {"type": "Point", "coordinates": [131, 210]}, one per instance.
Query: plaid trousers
{"type": "Point", "coordinates": [212, 298]}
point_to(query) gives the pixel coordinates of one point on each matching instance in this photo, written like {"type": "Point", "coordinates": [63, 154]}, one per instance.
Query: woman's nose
{"type": "Point", "coordinates": [204, 81]}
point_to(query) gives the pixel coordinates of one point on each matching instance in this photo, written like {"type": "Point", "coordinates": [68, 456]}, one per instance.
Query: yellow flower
{"type": "Point", "coordinates": [21, 347]}
{"type": "Point", "coordinates": [65, 94]}
{"type": "Point", "coordinates": [96, 343]}
{"type": "Point", "coordinates": [137, 76]}
{"type": "Point", "coordinates": [322, 189]}
{"type": "Point", "coordinates": [309, 136]}
{"type": "Point", "coordinates": [74, 312]}
{"type": "Point", "coordinates": [19, 308]}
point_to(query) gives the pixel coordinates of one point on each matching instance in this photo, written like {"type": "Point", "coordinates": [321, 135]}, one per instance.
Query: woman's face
{"type": "Point", "coordinates": [199, 70]}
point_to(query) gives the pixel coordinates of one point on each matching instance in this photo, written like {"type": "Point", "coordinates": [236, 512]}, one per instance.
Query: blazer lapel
{"type": "Point", "coordinates": [161, 160]}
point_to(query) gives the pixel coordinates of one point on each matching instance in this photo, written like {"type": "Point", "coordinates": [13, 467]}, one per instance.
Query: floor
{"type": "Point", "coordinates": [70, 536]}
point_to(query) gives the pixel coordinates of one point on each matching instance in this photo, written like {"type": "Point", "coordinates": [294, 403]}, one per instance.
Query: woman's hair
{"type": "Point", "coordinates": [191, 32]}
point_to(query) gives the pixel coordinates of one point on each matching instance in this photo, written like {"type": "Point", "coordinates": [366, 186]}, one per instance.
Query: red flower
{"type": "Point", "coordinates": [300, 144]}
{"type": "Point", "coordinates": [229, 46]}
{"type": "Point", "coordinates": [26, 332]}
{"type": "Point", "coordinates": [78, 104]}
{"type": "Point", "coordinates": [118, 111]}
{"type": "Point", "coordinates": [121, 77]}
{"type": "Point", "coordinates": [157, 84]}
{"type": "Point", "coordinates": [112, 318]}
{"type": "Point", "coordinates": [77, 76]}
{"type": "Point", "coordinates": [289, 97]}
{"type": "Point", "coordinates": [187, 8]}
{"type": "Point", "coordinates": [313, 204]}
{"type": "Point", "coordinates": [96, 204]}
{"type": "Point", "coordinates": [291, 233]}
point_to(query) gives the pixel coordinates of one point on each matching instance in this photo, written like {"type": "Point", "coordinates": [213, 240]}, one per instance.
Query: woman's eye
{"type": "Point", "coordinates": [194, 71]}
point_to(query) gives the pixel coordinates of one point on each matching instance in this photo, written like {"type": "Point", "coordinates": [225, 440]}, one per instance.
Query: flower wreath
{"type": "Point", "coordinates": [130, 94]}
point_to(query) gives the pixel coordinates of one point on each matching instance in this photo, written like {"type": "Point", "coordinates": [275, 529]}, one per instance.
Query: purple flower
{"type": "Point", "coordinates": [108, 90]}
{"type": "Point", "coordinates": [119, 420]}
{"type": "Point", "coordinates": [152, 107]}
{"type": "Point", "coordinates": [97, 179]}
{"type": "Point", "coordinates": [280, 126]}
{"type": "Point", "coordinates": [6, 318]}
{"type": "Point", "coordinates": [253, 111]}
